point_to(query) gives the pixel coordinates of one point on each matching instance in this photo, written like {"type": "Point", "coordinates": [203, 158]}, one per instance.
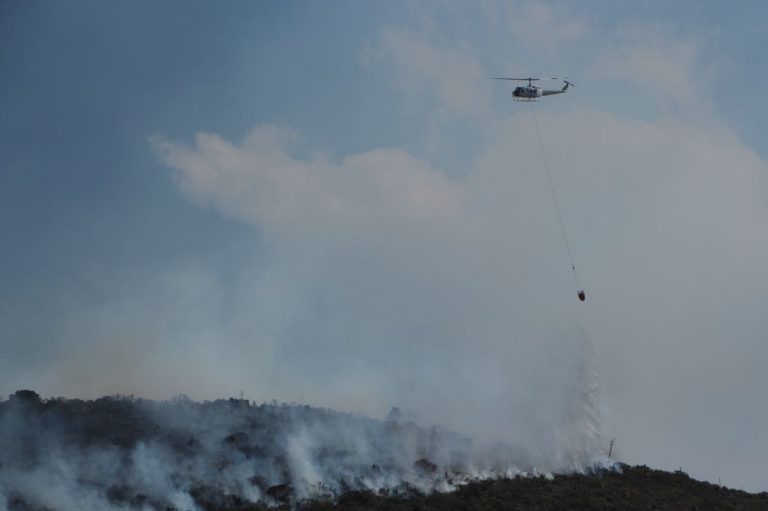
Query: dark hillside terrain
{"type": "Point", "coordinates": [635, 488]}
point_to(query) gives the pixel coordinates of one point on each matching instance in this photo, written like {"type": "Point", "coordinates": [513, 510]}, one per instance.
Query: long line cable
{"type": "Point", "coordinates": [554, 197]}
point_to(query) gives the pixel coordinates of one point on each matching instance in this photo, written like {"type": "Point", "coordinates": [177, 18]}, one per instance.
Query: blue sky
{"type": "Point", "coordinates": [263, 194]}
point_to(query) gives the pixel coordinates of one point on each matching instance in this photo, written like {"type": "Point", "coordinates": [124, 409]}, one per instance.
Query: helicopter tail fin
{"type": "Point", "coordinates": [565, 87]}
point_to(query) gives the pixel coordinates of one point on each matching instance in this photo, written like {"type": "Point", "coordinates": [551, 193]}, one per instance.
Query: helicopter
{"type": "Point", "coordinates": [531, 92]}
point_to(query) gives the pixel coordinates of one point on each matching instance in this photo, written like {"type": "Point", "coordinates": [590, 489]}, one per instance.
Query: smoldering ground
{"type": "Point", "coordinates": [125, 453]}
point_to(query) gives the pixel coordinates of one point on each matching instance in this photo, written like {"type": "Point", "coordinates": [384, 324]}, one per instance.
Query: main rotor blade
{"type": "Point", "coordinates": [528, 79]}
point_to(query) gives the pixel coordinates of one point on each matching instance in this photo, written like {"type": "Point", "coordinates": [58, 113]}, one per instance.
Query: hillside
{"type": "Point", "coordinates": [634, 488]}
{"type": "Point", "coordinates": [124, 453]}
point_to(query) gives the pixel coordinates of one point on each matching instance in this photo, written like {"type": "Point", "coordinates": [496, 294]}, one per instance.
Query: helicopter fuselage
{"type": "Point", "coordinates": [527, 92]}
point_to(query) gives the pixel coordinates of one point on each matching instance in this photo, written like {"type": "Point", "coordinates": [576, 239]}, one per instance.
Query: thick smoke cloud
{"type": "Point", "coordinates": [420, 290]}
{"type": "Point", "coordinates": [467, 313]}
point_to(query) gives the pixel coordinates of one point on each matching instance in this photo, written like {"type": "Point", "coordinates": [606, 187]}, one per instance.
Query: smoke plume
{"type": "Point", "coordinates": [125, 453]}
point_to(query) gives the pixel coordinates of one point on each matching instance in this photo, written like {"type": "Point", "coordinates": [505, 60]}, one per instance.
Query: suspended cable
{"type": "Point", "coordinates": [557, 204]}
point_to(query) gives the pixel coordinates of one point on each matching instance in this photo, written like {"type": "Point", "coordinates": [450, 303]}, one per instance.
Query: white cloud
{"type": "Point", "coordinates": [546, 25]}
{"type": "Point", "coordinates": [449, 73]}
{"type": "Point", "coordinates": [654, 59]}
{"type": "Point", "coordinates": [260, 182]}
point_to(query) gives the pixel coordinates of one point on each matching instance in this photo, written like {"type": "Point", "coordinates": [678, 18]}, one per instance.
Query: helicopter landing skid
{"type": "Point", "coordinates": [525, 100]}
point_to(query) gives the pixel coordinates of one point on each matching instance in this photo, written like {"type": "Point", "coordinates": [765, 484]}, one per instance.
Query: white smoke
{"type": "Point", "coordinates": [382, 280]}
{"type": "Point", "coordinates": [121, 453]}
